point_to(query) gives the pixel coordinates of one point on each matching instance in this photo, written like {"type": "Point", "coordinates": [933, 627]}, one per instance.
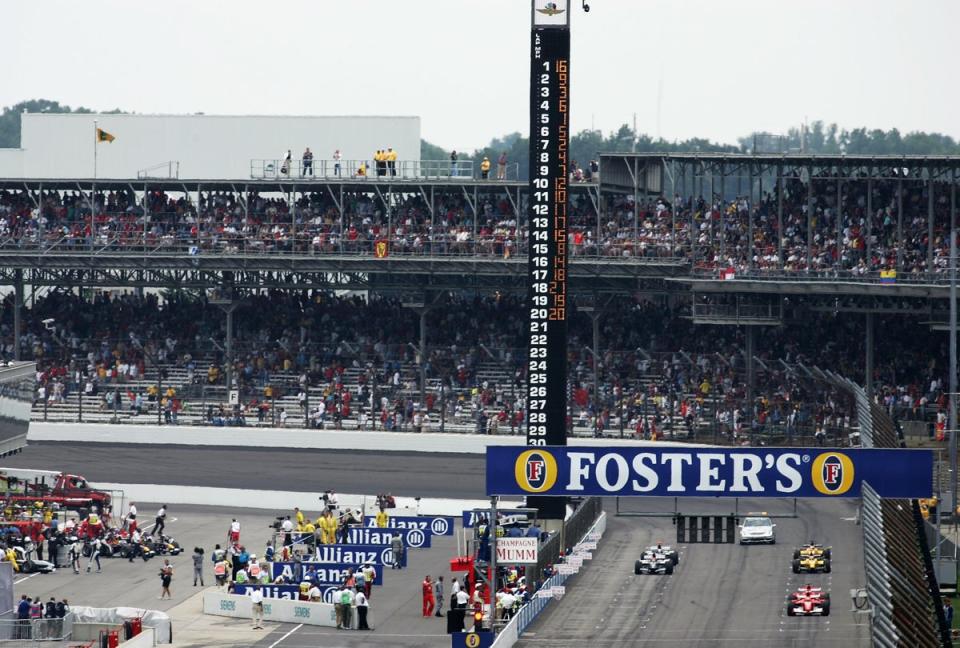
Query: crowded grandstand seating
{"type": "Point", "coordinates": [840, 237]}
{"type": "Point", "coordinates": [660, 375]}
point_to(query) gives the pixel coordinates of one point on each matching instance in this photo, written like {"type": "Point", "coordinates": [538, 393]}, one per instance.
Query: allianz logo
{"type": "Point", "coordinates": [301, 612]}
{"type": "Point", "coordinates": [228, 606]}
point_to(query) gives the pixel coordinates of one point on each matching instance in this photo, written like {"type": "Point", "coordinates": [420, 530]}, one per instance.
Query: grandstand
{"type": "Point", "coordinates": [667, 251]}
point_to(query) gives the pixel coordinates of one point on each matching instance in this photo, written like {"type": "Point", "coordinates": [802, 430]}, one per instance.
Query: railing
{"type": "Point", "coordinates": [511, 632]}
{"type": "Point", "coordinates": [35, 630]}
{"type": "Point", "coordinates": [832, 275]}
{"type": "Point", "coordinates": [361, 170]}
{"type": "Point", "coordinates": [163, 171]}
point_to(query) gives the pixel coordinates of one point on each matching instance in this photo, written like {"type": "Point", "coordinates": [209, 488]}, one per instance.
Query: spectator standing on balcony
{"type": "Point", "coordinates": [307, 162]}
{"type": "Point", "coordinates": [392, 161]}
{"type": "Point", "coordinates": [485, 168]}
{"type": "Point", "coordinates": [502, 166]}
{"type": "Point", "coordinates": [336, 162]}
{"type": "Point", "coordinates": [453, 164]}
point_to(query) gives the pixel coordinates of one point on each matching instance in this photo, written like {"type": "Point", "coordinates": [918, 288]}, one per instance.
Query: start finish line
{"type": "Point", "coordinates": [707, 472]}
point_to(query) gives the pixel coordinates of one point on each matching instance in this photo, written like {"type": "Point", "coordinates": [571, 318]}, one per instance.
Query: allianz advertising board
{"type": "Point", "coordinates": [712, 472]}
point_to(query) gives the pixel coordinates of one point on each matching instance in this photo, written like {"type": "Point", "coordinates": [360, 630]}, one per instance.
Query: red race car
{"type": "Point", "coordinates": [809, 601]}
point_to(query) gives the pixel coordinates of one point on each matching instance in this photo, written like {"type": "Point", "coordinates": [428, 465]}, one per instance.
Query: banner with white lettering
{"type": "Point", "coordinates": [345, 554]}
{"type": "Point", "coordinates": [440, 525]}
{"type": "Point", "coordinates": [712, 472]}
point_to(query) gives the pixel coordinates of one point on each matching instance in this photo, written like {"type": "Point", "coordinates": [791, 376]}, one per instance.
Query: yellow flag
{"type": "Point", "coordinates": [104, 136]}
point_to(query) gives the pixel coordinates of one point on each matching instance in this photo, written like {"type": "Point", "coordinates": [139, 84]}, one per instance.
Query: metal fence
{"type": "Point", "coordinates": [902, 594]}
{"type": "Point", "coordinates": [31, 631]}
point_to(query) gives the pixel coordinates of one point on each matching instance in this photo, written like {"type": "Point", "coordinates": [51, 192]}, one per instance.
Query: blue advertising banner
{"type": "Point", "coordinates": [344, 554]}
{"type": "Point", "coordinates": [412, 538]}
{"type": "Point", "coordinates": [505, 516]}
{"type": "Point", "coordinates": [713, 472]}
{"type": "Point", "coordinates": [289, 592]}
{"type": "Point", "coordinates": [440, 525]}
{"type": "Point", "coordinates": [322, 573]}
{"type": "Point", "coordinates": [472, 639]}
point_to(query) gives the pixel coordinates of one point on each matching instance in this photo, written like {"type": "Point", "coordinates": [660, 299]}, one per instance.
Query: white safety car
{"type": "Point", "coordinates": [757, 528]}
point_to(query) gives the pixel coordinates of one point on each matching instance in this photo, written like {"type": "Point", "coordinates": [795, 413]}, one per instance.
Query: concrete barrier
{"type": "Point", "coordinates": [292, 438]}
{"type": "Point", "coordinates": [238, 606]}
{"type": "Point", "coordinates": [146, 639]}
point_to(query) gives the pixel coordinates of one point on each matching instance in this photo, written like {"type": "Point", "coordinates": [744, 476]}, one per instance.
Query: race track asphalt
{"type": "Point", "coordinates": [719, 595]}
{"type": "Point", "coordinates": [400, 473]}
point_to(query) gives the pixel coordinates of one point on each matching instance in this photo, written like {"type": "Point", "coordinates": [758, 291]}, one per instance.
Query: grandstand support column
{"type": "Point", "coordinates": [809, 217]}
{"type": "Point", "coordinates": [750, 208]}
{"type": "Point", "coordinates": [930, 201]}
{"type": "Point", "coordinates": [751, 378]}
{"type": "Point", "coordinates": [839, 217]}
{"type": "Point", "coordinates": [869, 236]}
{"type": "Point", "coordinates": [723, 191]}
{"type": "Point", "coordinates": [868, 357]}
{"type": "Point", "coordinates": [423, 360]}
{"type": "Point", "coordinates": [17, 311]}
{"type": "Point", "coordinates": [900, 224]}
{"type": "Point", "coordinates": [293, 219]}
{"type": "Point", "coordinates": [636, 207]}
{"type": "Point", "coordinates": [780, 215]}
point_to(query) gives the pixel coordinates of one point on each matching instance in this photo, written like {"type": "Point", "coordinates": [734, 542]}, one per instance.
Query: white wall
{"type": "Point", "coordinates": [207, 146]}
{"type": "Point", "coordinates": [11, 163]}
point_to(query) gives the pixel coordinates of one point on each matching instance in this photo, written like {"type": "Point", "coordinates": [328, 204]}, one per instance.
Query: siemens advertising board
{"type": "Point", "coordinates": [710, 472]}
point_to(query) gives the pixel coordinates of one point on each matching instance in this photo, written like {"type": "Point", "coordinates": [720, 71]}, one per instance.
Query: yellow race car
{"type": "Point", "coordinates": [812, 550]}
{"type": "Point", "coordinates": [811, 558]}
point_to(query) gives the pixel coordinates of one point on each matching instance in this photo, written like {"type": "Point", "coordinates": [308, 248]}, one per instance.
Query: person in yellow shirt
{"type": "Point", "coordinates": [300, 517]}
{"type": "Point", "coordinates": [391, 156]}
{"type": "Point", "coordinates": [328, 528]}
{"type": "Point", "coordinates": [485, 168]}
{"type": "Point", "coordinates": [378, 161]}
{"type": "Point", "coordinates": [382, 518]}
{"type": "Point", "coordinates": [362, 171]}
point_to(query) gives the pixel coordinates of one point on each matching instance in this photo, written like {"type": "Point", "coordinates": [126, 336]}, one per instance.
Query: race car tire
{"type": "Point", "coordinates": [86, 551]}
{"type": "Point", "coordinates": [796, 566]}
{"type": "Point", "coordinates": [636, 568]}
{"type": "Point", "coordinates": [828, 554]}
{"type": "Point", "coordinates": [826, 597]}
{"type": "Point", "coordinates": [106, 550]}
{"type": "Point", "coordinates": [826, 608]}
{"type": "Point", "coordinates": [796, 554]}
{"type": "Point", "coordinates": [676, 559]}
{"type": "Point", "coordinates": [790, 611]}
{"type": "Point", "coordinates": [826, 566]}
{"type": "Point", "coordinates": [668, 569]}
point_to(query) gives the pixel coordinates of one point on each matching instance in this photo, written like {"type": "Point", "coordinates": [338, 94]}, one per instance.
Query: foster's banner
{"type": "Point", "coordinates": [713, 472]}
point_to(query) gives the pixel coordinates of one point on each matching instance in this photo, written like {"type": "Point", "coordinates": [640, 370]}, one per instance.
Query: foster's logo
{"type": "Point", "coordinates": [832, 473]}
{"type": "Point", "coordinates": [536, 471]}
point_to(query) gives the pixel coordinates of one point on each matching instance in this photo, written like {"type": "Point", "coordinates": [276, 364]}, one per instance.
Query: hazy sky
{"type": "Point", "coordinates": [709, 68]}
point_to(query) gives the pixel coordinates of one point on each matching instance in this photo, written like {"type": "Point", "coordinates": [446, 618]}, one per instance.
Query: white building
{"type": "Point", "coordinates": [211, 147]}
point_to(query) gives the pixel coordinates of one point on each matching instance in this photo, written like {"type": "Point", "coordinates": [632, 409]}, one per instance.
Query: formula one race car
{"type": "Point", "coordinates": [809, 601]}
{"type": "Point", "coordinates": [667, 551]}
{"type": "Point", "coordinates": [28, 564]}
{"type": "Point", "coordinates": [653, 562]}
{"type": "Point", "coordinates": [812, 550]}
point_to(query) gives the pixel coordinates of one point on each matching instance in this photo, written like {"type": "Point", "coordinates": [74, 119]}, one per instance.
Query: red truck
{"type": "Point", "coordinates": [70, 491]}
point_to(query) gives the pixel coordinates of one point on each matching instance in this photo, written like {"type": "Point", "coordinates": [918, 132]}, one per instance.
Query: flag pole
{"type": "Point", "coordinates": [95, 149]}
